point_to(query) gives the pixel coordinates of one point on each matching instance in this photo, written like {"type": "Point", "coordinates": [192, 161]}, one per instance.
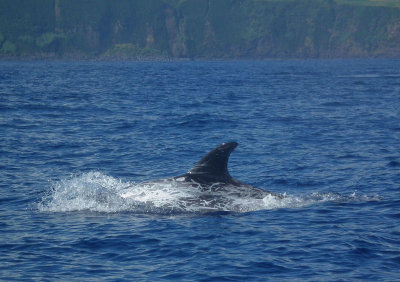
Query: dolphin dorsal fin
{"type": "Point", "coordinates": [213, 167]}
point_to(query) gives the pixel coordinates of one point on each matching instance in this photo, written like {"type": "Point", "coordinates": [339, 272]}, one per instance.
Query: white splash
{"type": "Point", "coordinates": [91, 191]}
{"type": "Point", "coordinates": [95, 191]}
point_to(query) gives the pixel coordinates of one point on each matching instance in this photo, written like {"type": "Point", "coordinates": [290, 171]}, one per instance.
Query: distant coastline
{"type": "Point", "coordinates": [188, 29]}
{"type": "Point", "coordinates": [83, 58]}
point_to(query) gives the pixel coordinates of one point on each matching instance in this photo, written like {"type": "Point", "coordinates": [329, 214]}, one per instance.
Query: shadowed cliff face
{"type": "Point", "coordinates": [175, 32]}
{"type": "Point", "coordinates": [199, 29]}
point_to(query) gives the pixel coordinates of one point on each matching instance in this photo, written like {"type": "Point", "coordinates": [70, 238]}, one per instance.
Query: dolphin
{"type": "Point", "coordinates": [212, 187]}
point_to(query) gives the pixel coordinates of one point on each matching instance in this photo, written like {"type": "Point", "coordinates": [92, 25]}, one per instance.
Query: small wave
{"type": "Point", "coordinates": [361, 75]}
{"type": "Point", "coordinates": [393, 164]}
{"type": "Point", "coordinates": [97, 192]}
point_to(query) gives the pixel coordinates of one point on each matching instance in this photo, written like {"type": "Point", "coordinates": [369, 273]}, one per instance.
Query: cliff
{"type": "Point", "coordinates": [106, 29]}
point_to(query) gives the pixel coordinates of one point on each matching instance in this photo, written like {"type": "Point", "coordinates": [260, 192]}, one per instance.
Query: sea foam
{"type": "Point", "coordinates": [98, 192]}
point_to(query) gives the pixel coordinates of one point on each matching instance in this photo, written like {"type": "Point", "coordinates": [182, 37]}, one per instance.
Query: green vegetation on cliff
{"type": "Point", "coordinates": [127, 29]}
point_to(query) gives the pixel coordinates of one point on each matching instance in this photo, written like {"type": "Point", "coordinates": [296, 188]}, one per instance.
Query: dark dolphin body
{"type": "Point", "coordinates": [212, 185]}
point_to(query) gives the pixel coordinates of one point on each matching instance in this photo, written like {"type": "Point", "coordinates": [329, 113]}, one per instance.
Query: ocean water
{"type": "Point", "coordinates": [78, 139]}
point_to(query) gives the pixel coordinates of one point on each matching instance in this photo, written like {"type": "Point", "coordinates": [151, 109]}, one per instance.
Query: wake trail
{"type": "Point", "coordinates": [98, 192]}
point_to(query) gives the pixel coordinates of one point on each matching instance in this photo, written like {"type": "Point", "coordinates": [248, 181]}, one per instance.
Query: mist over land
{"type": "Point", "coordinates": [199, 29]}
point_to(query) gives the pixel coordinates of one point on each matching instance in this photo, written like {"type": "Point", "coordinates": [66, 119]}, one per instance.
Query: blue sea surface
{"type": "Point", "coordinates": [77, 139]}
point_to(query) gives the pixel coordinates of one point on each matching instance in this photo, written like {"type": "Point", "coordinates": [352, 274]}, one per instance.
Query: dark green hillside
{"type": "Point", "coordinates": [107, 29]}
